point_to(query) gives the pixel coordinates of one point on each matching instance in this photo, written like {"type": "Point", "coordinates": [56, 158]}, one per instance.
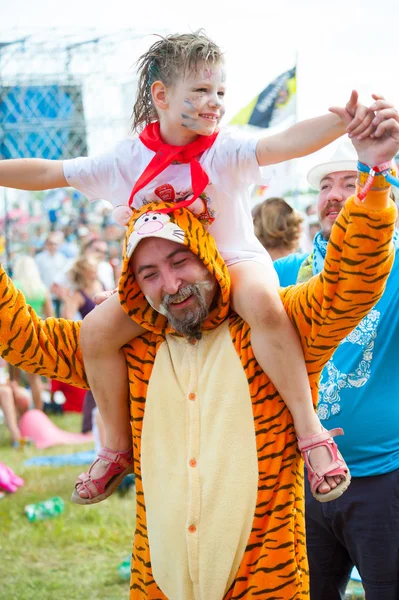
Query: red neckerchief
{"type": "Point", "coordinates": [166, 154]}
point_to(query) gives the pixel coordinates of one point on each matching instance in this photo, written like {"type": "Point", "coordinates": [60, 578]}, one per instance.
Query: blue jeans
{"type": "Point", "coordinates": [360, 528]}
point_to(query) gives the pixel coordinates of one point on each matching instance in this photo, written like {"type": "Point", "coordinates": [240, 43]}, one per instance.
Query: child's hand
{"type": "Point", "coordinates": [385, 116]}
{"type": "Point", "coordinates": [383, 144]}
{"type": "Point", "coordinates": [357, 117]}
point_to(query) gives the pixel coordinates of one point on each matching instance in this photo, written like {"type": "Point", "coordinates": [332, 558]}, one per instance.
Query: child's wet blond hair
{"type": "Point", "coordinates": [168, 60]}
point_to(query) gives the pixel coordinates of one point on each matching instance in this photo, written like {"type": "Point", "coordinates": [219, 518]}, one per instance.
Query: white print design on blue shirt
{"type": "Point", "coordinates": [359, 386]}
{"type": "Point", "coordinates": [333, 380]}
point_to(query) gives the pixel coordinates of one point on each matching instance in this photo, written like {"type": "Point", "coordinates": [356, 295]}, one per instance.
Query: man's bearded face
{"type": "Point", "coordinates": [335, 188]}
{"type": "Point", "coordinates": [175, 282]}
{"type": "Point", "coordinates": [190, 320]}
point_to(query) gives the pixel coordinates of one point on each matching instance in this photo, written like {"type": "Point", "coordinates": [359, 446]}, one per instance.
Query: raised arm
{"type": "Point", "coordinates": [49, 347]}
{"type": "Point", "coordinates": [308, 136]}
{"type": "Point", "coordinates": [358, 261]}
{"type": "Point", "coordinates": [32, 174]}
{"type": "Point", "coordinates": [359, 256]}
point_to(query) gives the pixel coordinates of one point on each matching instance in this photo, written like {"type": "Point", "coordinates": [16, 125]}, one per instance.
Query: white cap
{"type": "Point", "coordinates": [343, 159]}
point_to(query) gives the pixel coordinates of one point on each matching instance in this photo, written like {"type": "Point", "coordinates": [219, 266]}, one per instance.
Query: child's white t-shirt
{"type": "Point", "coordinates": [230, 164]}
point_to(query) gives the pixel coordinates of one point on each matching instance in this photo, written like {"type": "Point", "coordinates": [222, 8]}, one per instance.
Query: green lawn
{"type": "Point", "coordinates": [70, 557]}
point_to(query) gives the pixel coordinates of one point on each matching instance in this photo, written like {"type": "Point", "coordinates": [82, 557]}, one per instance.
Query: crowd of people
{"type": "Point", "coordinates": [206, 368]}
{"type": "Point", "coordinates": [59, 273]}
{"type": "Point", "coordinates": [66, 270]}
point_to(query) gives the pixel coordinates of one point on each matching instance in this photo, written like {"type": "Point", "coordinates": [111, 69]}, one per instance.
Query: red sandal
{"type": "Point", "coordinates": [337, 466]}
{"type": "Point", "coordinates": [120, 464]}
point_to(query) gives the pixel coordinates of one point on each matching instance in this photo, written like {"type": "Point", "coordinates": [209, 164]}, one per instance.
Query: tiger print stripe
{"type": "Point", "coordinates": [48, 347]}
{"type": "Point", "coordinates": [275, 564]}
{"type": "Point", "coordinates": [279, 512]}
{"type": "Point", "coordinates": [140, 357]}
{"type": "Point", "coordinates": [343, 293]}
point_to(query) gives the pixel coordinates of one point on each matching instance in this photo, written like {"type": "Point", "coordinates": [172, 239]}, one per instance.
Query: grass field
{"type": "Point", "coordinates": [73, 556]}
{"type": "Point", "coordinates": [70, 557]}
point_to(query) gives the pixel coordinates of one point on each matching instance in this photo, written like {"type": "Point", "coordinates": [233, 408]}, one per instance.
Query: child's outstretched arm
{"type": "Point", "coordinates": [309, 136]}
{"type": "Point", "coordinates": [32, 174]}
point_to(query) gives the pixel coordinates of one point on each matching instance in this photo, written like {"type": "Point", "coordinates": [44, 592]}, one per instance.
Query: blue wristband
{"type": "Point", "coordinates": [389, 178]}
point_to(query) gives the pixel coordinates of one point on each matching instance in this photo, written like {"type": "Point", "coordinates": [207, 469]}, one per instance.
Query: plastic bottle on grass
{"type": "Point", "coordinates": [354, 591]}
{"type": "Point", "coordinates": [45, 510]}
{"type": "Point", "coordinates": [124, 568]}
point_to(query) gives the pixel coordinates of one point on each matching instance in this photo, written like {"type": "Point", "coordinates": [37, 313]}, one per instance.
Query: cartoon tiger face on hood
{"type": "Point", "coordinates": [182, 227]}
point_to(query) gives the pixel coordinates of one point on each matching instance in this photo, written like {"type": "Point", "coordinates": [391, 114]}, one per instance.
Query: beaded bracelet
{"type": "Point", "coordinates": [379, 176]}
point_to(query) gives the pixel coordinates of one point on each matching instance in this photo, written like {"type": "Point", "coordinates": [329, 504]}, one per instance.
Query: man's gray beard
{"type": "Point", "coordinates": [193, 319]}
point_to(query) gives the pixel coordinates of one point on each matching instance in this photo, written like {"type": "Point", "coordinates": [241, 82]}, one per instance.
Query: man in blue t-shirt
{"type": "Point", "coordinates": [358, 392]}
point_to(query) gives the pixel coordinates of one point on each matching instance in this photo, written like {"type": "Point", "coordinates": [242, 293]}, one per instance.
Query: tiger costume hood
{"type": "Point", "coordinates": [182, 227]}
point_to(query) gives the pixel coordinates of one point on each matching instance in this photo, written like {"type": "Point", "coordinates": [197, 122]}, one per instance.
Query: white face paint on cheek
{"type": "Point", "coordinates": [161, 309]}
{"type": "Point", "coordinates": [206, 285]}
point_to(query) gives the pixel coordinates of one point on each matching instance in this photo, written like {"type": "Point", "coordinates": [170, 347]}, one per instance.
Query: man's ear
{"type": "Point", "coordinates": [159, 93]}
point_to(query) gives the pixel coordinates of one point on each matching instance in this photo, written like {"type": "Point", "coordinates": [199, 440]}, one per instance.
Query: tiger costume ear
{"type": "Point", "coordinates": [122, 215]}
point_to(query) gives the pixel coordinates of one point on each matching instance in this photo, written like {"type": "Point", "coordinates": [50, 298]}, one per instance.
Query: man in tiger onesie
{"type": "Point", "coordinates": [219, 504]}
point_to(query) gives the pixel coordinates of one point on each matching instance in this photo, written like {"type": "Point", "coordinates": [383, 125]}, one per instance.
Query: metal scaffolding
{"type": "Point", "coordinates": [64, 92]}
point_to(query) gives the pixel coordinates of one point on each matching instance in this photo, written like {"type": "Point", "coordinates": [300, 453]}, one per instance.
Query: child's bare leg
{"type": "Point", "coordinates": [104, 331]}
{"type": "Point", "coordinates": [278, 350]}
{"type": "Point", "coordinates": [100, 427]}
